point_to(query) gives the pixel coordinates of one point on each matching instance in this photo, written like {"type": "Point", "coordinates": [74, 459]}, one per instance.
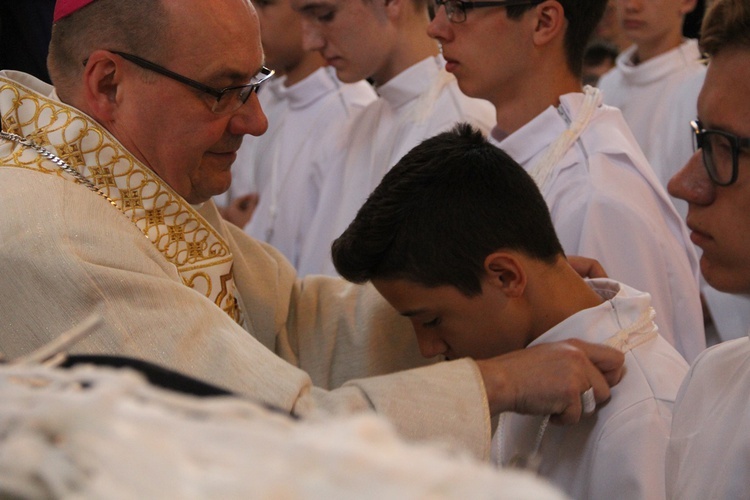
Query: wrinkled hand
{"type": "Point", "coordinates": [549, 379]}
{"type": "Point", "coordinates": [240, 210]}
{"type": "Point", "coordinates": [587, 268]}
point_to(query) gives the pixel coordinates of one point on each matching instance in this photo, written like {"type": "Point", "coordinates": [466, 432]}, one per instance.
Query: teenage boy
{"type": "Point", "coordinates": [604, 198]}
{"type": "Point", "coordinates": [306, 107]}
{"type": "Point", "coordinates": [656, 81]}
{"type": "Point", "coordinates": [386, 42]}
{"type": "Point", "coordinates": [655, 84]}
{"type": "Point", "coordinates": [458, 239]}
{"type": "Point", "coordinates": [709, 447]}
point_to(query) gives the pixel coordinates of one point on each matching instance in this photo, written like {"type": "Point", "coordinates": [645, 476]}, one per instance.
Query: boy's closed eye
{"type": "Point", "coordinates": [432, 323]}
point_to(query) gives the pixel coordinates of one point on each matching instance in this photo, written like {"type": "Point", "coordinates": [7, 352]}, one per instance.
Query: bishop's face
{"type": "Point", "coordinates": [170, 126]}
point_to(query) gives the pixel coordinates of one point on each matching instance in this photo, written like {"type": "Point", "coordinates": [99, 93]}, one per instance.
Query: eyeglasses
{"type": "Point", "coordinates": [228, 99]}
{"type": "Point", "coordinates": [721, 151]}
{"type": "Point", "coordinates": [455, 10]}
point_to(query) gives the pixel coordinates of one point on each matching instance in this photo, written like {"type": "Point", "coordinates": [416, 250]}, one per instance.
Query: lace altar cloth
{"type": "Point", "coordinates": [92, 432]}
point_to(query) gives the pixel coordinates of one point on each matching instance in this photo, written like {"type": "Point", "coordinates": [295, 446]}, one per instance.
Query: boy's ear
{"type": "Point", "coordinates": [506, 271]}
{"type": "Point", "coordinates": [101, 79]}
{"type": "Point", "coordinates": [687, 6]}
{"type": "Point", "coordinates": [550, 22]}
{"type": "Point", "coordinates": [393, 8]}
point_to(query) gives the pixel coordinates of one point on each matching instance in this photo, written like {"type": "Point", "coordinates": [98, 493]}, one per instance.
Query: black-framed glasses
{"type": "Point", "coordinates": [455, 10]}
{"type": "Point", "coordinates": [721, 152]}
{"type": "Point", "coordinates": [228, 99]}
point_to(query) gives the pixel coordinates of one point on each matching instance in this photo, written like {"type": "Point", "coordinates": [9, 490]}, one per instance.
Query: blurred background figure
{"type": "Point", "coordinates": [609, 29]}
{"type": "Point", "coordinates": [387, 43]}
{"type": "Point", "coordinates": [655, 84]}
{"type": "Point", "coordinates": [272, 195]}
{"type": "Point", "coordinates": [598, 58]}
{"type": "Point", "coordinates": [656, 81]}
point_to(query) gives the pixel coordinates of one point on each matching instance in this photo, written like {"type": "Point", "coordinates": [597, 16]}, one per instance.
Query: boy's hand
{"type": "Point", "coordinates": [241, 209]}
{"type": "Point", "coordinates": [549, 379]}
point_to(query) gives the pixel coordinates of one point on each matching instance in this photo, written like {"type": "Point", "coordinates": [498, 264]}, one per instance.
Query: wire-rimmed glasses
{"type": "Point", "coordinates": [455, 10]}
{"type": "Point", "coordinates": [228, 99]}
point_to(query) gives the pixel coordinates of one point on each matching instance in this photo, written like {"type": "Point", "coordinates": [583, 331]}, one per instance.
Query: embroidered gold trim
{"type": "Point", "coordinates": [178, 232]}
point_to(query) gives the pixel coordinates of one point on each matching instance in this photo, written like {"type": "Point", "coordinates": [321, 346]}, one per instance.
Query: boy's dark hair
{"type": "Point", "coordinates": [599, 51]}
{"type": "Point", "coordinates": [448, 204]}
{"type": "Point", "coordinates": [582, 16]}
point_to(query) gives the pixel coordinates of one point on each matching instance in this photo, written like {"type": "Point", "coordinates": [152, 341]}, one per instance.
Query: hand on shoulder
{"type": "Point", "coordinates": [549, 379]}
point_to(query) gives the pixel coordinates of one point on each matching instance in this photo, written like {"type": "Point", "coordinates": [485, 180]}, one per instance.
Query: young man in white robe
{"type": "Point", "coordinates": [272, 196]}
{"type": "Point", "coordinates": [655, 84]}
{"type": "Point", "coordinates": [604, 198]}
{"type": "Point", "coordinates": [459, 240]}
{"type": "Point", "coordinates": [656, 81]}
{"type": "Point", "coordinates": [106, 183]}
{"type": "Point", "coordinates": [386, 42]}
{"type": "Point", "coordinates": [709, 445]}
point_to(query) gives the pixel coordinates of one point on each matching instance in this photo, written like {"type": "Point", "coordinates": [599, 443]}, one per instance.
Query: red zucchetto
{"type": "Point", "coordinates": [64, 8]}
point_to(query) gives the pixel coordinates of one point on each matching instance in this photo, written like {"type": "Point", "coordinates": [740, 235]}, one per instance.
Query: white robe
{"type": "Point", "coordinates": [709, 448]}
{"type": "Point", "coordinates": [418, 103]}
{"type": "Point", "coordinates": [618, 452]}
{"type": "Point", "coordinates": [67, 253]}
{"type": "Point", "coordinates": [270, 97]}
{"type": "Point", "coordinates": [606, 203]}
{"type": "Point", "coordinates": [311, 112]}
{"type": "Point", "coordinates": [658, 98]}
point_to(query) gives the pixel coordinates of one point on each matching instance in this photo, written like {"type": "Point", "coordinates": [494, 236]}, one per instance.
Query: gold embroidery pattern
{"type": "Point", "coordinates": [102, 176]}
{"type": "Point", "coordinates": [175, 228]}
{"type": "Point", "coordinates": [176, 233]}
{"type": "Point", "coordinates": [131, 198]}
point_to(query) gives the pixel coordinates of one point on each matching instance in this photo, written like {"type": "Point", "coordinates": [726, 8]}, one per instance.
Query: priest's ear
{"type": "Point", "coordinates": [102, 76]}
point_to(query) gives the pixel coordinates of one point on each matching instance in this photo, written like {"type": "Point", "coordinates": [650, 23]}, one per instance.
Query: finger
{"type": "Point", "coordinates": [590, 381]}
{"type": "Point", "coordinates": [607, 360]}
{"type": "Point", "coordinates": [571, 414]}
{"type": "Point", "coordinates": [586, 267]}
{"type": "Point", "coordinates": [584, 403]}
{"type": "Point", "coordinates": [596, 270]}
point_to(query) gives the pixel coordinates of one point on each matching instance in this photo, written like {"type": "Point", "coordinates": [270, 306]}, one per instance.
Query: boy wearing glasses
{"type": "Point", "coordinates": [458, 239]}
{"type": "Point", "coordinates": [604, 198]}
{"type": "Point", "coordinates": [709, 445]}
{"type": "Point", "coordinates": [383, 40]}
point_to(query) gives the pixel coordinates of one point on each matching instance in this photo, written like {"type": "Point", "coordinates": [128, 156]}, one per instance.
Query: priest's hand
{"type": "Point", "coordinates": [549, 379]}
{"type": "Point", "coordinates": [586, 268]}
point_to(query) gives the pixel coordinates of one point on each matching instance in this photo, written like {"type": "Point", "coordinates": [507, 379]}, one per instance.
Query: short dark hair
{"type": "Point", "coordinates": [598, 52]}
{"type": "Point", "coordinates": [582, 16]}
{"type": "Point", "coordinates": [726, 24]}
{"type": "Point", "coordinates": [448, 204]}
